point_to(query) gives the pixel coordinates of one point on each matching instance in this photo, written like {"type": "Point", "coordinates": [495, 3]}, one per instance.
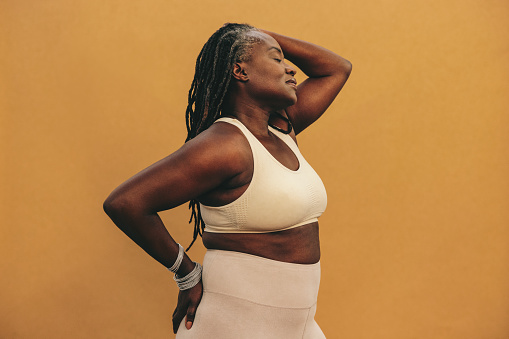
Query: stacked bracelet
{"type": "Point", "coordinates": [190, 280]}
{"type": "Point", "coordinates": [176, 265]}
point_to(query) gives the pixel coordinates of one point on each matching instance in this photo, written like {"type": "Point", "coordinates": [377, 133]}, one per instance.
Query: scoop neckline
{"type": "Point", "coordinates": [275, 132]}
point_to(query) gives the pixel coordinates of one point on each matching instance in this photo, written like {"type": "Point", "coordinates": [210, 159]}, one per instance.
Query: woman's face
{"type": "Point", "coordinates": [270, 79]}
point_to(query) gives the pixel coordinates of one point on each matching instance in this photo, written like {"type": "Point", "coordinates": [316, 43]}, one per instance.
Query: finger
{"type": "Point", "coordinates": [178, 315]}
{"type": "Point", "coordinates": [191, 312]}
{"type": "Point", "coordinates": [196, 293]}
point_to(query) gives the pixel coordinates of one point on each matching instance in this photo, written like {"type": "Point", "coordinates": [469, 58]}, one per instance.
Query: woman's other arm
{"type": "Point", "coordinates": [327, 73]}
{"type": "Point", "coordinates": [196, 168]}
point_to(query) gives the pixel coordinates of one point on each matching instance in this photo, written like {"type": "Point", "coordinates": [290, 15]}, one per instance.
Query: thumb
{"type": "Point", "coordinates": [191, 311]}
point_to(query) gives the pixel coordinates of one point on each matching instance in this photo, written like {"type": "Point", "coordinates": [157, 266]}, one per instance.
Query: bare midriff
{"type": "Point", "coordinates": [299, 245]}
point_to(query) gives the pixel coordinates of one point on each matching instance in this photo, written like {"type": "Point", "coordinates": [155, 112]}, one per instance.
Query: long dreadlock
{"type": "Point", "coordinates": [228, 45]}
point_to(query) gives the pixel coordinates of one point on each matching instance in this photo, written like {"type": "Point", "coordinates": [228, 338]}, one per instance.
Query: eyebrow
{"type": "Point", "coordinates": [277, 49]}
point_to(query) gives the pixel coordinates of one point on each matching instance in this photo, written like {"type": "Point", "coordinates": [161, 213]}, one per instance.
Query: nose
{"type": "Point", "coordinates": [290, 70]}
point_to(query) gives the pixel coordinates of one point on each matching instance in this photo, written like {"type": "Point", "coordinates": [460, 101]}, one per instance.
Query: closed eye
{"type": "Point", "coordinates": [278, 60]}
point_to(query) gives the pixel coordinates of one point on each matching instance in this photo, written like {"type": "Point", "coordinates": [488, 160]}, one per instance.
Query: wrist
{"type": "Point", "coordinates": [182, 264]}
{"type": "Point", "coordinates": [186, 267]}
{"type": "Point", "coordinates": [189, 280]}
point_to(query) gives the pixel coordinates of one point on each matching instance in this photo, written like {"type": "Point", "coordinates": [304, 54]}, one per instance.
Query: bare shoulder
{"type": "Point", "coordinates": [213, 158]}
{"type": "Point", "coordinates": [222, 146]}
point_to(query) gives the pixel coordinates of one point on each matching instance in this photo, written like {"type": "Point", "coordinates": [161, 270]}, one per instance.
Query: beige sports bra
{"type": "Point", "coordinates": [277, 197]}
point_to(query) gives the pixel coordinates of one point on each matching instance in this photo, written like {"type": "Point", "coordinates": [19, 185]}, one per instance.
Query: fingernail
{"type": "Point", "coordinates": [188, 325]}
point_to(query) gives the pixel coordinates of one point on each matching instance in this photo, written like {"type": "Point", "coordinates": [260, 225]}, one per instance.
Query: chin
{"type": "Point", "coordinates": [293, 101]}
{"type": "Point", "coordinates": [286, 104]}
{"type": "Point", "coordinates": [284, 101]}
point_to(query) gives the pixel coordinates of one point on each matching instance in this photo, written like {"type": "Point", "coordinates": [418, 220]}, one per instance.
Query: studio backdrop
{"type": "Point", "coordinates": [414, 155]}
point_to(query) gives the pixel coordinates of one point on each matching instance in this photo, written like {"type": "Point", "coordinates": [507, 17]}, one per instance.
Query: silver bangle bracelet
{"type": "Point", "coordinates": [191, 279]}
{"type": "Point", "coordinates": [176, 265]}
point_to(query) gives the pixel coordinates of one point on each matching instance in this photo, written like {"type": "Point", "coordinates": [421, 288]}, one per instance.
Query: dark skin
{"type": "Point", "coordinates": [219, 175]}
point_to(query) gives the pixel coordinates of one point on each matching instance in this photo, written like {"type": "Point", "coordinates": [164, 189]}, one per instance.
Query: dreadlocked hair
{"type": "Point", "coordinates": [228, 45]}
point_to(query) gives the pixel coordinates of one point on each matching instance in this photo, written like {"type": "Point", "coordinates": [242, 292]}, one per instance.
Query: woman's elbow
{"type": "Point", "coordinates": [109, 205]}
{"type": "Point", "coordinates": [345, 67]}
{"type": "Point", "coordinates": [341, 68]}
{"type": "Point", "coordinates": [116, 206]}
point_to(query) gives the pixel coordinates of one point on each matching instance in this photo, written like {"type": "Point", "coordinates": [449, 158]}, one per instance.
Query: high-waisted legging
{"type": "Point", "coordinates": [250, 297]}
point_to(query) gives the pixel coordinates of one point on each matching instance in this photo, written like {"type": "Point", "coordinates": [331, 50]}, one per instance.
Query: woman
{"type": "Point", "coordinates": [255, 200]}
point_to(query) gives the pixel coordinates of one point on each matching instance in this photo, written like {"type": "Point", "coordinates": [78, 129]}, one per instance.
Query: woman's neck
{"type": "Point", "coordinates": [255, 118]}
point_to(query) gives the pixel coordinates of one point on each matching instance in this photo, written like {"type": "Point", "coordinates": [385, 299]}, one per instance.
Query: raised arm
{"type": "Point", "coordinates": [327, 73]}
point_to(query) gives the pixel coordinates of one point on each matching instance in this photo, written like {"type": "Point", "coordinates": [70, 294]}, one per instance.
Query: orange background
{"type": "Point", "coordinates": [414, 154]}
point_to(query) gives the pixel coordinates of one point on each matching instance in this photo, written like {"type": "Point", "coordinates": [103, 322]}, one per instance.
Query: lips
{"type": "Point", "coordinates": [292, 82]}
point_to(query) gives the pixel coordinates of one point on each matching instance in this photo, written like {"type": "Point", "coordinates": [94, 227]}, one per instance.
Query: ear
{"type": "Point", "coordinates": [239, 72]}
